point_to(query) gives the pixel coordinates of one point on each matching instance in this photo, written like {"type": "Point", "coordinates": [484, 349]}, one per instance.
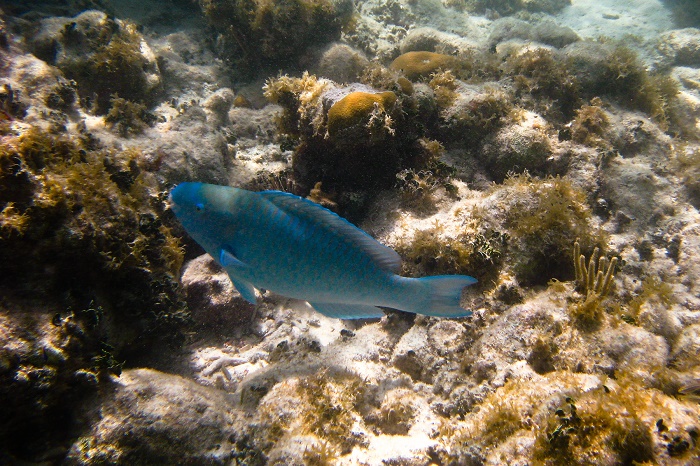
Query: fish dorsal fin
{"type": "Point", "coordinates": [386, 258]}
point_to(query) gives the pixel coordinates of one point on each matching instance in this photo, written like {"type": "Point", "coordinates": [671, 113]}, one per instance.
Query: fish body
{"type": "Point", "coordinates": [286, 244]}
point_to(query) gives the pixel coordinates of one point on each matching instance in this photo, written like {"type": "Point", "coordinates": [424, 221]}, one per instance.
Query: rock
{"type": "Point", "coordinates": [680, 47]}
{"type": "Point", "coordinates": [150, 417]}
{"type": "Point", "coordinates": [516, 148]}
{"type": "Point", "coordinates": [342, 63]}
{"type": "Point", "coordinates": [686, 352]}
{"type": "Point", "coordinates": [218, 105]}
{"type": "Point", "coordinates": [211, 297]}
{"type": "Point", "coordinates": [632, 187]}
{"type": "Point", "coordinates": [588, 61]}
{"type": "Point", "coordinates": [447, 337]}
{"type": "Point", "coordinates": [431, 40]}
{"type": "Point", "coordinates": [105, 56]}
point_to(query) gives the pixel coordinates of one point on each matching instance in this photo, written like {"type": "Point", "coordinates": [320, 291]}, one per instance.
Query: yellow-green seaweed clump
{"type": "Point", "coordinates": [128, 118]}
{"type": "Point", "coordinates": [270, 33]}
{"type": "Point", "coordinates": [429, 252]}
{"type": "Point", "coordinates": [301, 100]}
{"type": "Point", "coordinates": [589, 125]}
{"type": "Point", "coordinates": [544, 218]}
{"type": "Point", "coordinates": [84, 226]}
{"type": "Point", "coordinates": [544, 83]}
{"type": "Point", "coordinates": [599, 427]}
{"type": "Point", "coordinates": [627, 80]}
{"type": "Point", "coordinates": [104, 56]}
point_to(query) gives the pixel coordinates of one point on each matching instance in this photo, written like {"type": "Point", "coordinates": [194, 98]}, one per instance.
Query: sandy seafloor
{"type": "Point", "coordinates": [547, 370]}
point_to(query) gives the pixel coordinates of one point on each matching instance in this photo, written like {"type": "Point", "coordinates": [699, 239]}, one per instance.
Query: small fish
{"type": "Point", "coordinates": [286, 244]}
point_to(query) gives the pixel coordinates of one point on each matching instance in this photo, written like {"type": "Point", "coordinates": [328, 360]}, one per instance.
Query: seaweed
{"type": "Point", "coordinates": [589, 125]}
{"type": "Point", "coordinates": [627, 81]}
{"type": "Point", "coordinates": [330, 404]}
{"type": "Point", "coordinates": [601, 423]}
{"type": "Point", "coordinates": [544, 219]}
{"type": "Point", "coordinates": [540, 74]}
{"type": "Point", "coordinates": [128, 118]}
{"type": "Point", "coordinates": [87, 226]}
{"type": "Point", "coordinates": [429, 252]}
{"type": "Point", "coordinates": [256, 34]}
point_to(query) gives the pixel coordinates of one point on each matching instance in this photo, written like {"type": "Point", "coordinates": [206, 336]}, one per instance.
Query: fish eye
{"type": "Point", "coordinates": [199, 206]}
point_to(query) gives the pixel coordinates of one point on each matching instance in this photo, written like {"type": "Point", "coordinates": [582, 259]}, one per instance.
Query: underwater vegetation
{"type": "Point", "coordinates": [544, 219]}
{"type": "Point", "coordinates": [353, 139]}
{"type": "Point", "coordinates": [429, 252]}
{"type": "Point", "coordinates": [81, 238]}
{"type": "Point", "coordinates": [509, 7]}
{"type": "Point", "coordinates": [128, 118]}
{"type": "Point", "coordinates": [104, 56]}
{"type": "Point", "coordinates": [65, 200]}
{"type": "Point", "coordinates": [271, 33]}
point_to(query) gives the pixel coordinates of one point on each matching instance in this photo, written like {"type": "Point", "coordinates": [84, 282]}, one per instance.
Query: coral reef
{"type": "Point", "coordinates": [353, 139]}
{"type": "Point", "coordinates": [548, 148]}
{"type": "Point", "coordinates": [62, 200]}
{"type": "Point", "coordinates": [508, 7]}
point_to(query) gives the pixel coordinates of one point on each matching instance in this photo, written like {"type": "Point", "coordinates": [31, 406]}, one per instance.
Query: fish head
{"type": "Point", "coordinates": [207, 212]}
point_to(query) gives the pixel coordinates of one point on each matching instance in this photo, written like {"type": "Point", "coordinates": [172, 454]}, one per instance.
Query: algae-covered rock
{"type": "Point", "coordinates": [354, 138]}
{"type": "Point", "coordinates": [509, 7]}
{"type": "Point", "coordinates": [545, 32]}
{"type": "Point", "coordinates": [516, 148]}
{"type": "Point", "coordinates": [681, 47]}
{"type": "Point", "coordinates": [85, 226]}
{"type": "Point", "coordinates": [274, 33]}
{"type": "Point", "coordinates": [105, 56]}
{"type": "Point", "coordinates": [342, 63]}
{"type": "Point", "coordinates": [50, 361]}
{"type": "Point", "coordinates": [150, 417]}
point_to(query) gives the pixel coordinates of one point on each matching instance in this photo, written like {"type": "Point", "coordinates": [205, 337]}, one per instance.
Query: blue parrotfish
{"type": "Point", "coordinates": [272, 240]}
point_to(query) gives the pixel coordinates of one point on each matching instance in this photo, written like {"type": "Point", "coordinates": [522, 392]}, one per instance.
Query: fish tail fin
{"type": "Point", "coordinates": [440, 295]}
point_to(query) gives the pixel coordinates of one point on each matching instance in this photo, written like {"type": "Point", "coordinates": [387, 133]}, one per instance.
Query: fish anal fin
{"type": "Point", "coordinates": [246, 289]}
{"type": "Point", "coordinates": [348, 311]}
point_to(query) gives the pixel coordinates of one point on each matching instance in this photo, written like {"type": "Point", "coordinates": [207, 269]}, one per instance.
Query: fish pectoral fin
{"type": "Point", "coordinates": [229, 260]}
{"type": "Point", "coordinates": [348, 311]}
{"type": "Point", "coordinates": [246, 289]}
{"type": "Point", "coordinates": [231, 263]}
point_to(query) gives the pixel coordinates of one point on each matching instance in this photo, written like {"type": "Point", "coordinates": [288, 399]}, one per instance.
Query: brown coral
{"type": "Point", "coordinates": [356, 107]}
{"type": "Point", "coordinates": [415, 65]}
